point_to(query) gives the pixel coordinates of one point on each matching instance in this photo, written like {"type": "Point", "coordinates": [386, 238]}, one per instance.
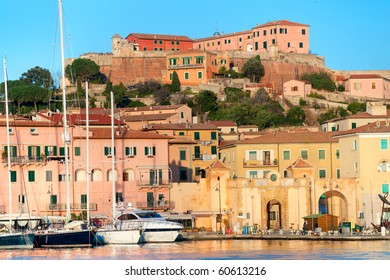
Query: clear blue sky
{"type": "Point", "coordinates": [350, 34]}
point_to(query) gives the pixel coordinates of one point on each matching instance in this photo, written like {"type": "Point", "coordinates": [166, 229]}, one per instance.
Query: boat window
{"type": "Point", "coordinates": [126, 217]}
{"type": "Point", "coordinates": [155, 215]}
{"type": "Point", "coordinates": [144, 215]}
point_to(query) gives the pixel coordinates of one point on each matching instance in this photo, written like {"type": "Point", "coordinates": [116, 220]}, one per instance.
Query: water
{"type": "Point", "coordinates": [217, 250]}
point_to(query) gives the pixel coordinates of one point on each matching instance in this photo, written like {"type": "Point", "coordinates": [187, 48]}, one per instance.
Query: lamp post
{"type": "Point", "coordinates": [220, 208]}
{"type": "Point", "coordinates": [50, 193]}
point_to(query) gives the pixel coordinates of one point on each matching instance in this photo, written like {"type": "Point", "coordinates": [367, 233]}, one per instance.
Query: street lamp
{"type": "Point", "coordinates": [331, 201]}
{"type": "Point", "coordinates": [50, 192]}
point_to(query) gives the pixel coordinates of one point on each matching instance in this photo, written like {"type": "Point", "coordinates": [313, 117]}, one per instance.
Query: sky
{"type": "Point", "coordinates": [349, 34]}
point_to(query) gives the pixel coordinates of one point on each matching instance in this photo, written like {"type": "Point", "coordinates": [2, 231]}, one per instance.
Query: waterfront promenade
{"type": "Point", "coordinates": [199, 236]}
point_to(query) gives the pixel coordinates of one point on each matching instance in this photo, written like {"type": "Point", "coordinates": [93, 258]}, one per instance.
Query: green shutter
{"type": "Point", "coordinates": [77, 151]}
{"type": "Point", "coordinates": [196, 135]}
{"type": "Point", "coordinates": [106, 151]}
{"type": "Point", "coordinates": [213, 150]}
{"type": "Point", "coordinates": [197, 152]}
{"type": "Point", "coordinates": [62, 151]}
{"type": "Point", "coordinates": [213, 135]}
{"type": "Point", "coordinates": [154, 150]}
{"type": "Point", "coordinates": [29, 151]}
{"type": "Point", "coordinates": [127, 151]}
{"type": "Point", "coordinates": [31, 176]}
{"type": "Point", "coordinates": [134, 151]}
{"type": "Point", "coordinates": [38, 151]}
{"type": "Point", "coordinates": [151, 176]}
{"type": "Point", "coordinates": [46, 150]}
{"type": "Point", "coordinates": [13, 176]}
{"type": "Point", "coordinates": [160, 176]}
{"type": "Point", "coordinates": [146, 151]}
{"type": "Point", "coordinates": [385, 188]}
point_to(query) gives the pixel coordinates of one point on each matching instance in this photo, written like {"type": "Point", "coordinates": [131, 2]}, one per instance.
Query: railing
{"type": "Point", "coordinates": [157, 183]}
{"type": "Point", "coordinates": [156, 205]}
{"type": "Point", "coordinates": [252, 163]}
{"type": "Point", "coordinates": [25, 160]}
{"type": "Point", "coordinates": [204, 157]}
{"type": "Point", "coordinates": [74, 206]}
{"type": "Point", "coordinates": [184, 66]}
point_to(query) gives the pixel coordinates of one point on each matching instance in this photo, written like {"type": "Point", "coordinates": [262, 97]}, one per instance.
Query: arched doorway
{"type": "Point", "coordinates": [274, 214]}
{"type": "Point", "coordinates": [334, 203]}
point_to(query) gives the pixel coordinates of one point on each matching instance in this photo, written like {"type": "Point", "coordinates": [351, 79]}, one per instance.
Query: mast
{"type": "Point", "coordinates": [87, 139]}
{"type": "Point", "coordinates": [66, 135]}
{"type": "Point", "coordinates": [112, 157]}
{"type": "Point", "coordinates": [8, 146]}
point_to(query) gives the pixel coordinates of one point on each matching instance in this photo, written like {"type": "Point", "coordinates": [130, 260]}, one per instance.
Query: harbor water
{"type": "Point", "coordinates": [217, 250]}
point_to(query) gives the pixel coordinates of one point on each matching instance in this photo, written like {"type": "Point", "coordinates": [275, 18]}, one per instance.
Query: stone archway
{"type": "Point", "coordinates": [274, 214]}
{"type": "Point", "coordinates": [335, 203]}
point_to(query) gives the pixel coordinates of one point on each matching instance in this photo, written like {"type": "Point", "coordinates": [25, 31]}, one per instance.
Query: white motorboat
{"type": "Point", "coordinates": [155, 228]}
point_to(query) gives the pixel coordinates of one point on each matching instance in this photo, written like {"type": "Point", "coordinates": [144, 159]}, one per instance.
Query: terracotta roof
{"type": "Point", "coordinates": [182, 126]}
{"type": "Point", "coordinates": [152, 108]}
{"type": "Point", "coordinates": [375, 127]}
{"type": "Point", "coordinates": [160, 37]}
{"type": "Point", "coordinates": [300, 163]}
{"type": "Point", "coordinates": [147, 117]}
{"type": "Point", "coordinates": [365, 76]}
{"type": "Point", "coordinates": [80, 119]}
{"type": "Point", "coordinates": [223, 123]}
{"type": "Point", "coordinates": [28, 123]}
{"type": "Point", "coordinates": [223, 35]}
{"type": "Point", "coordinates": [217, 164]}
{"type": "Point", "coordinates": [360, 115]}
{"type": "Point", "coordinates": [105, 133]}
{"type": "Point", "coordinates": [287, 137]}
{"type": "Point", "coordinates": [281, 22]}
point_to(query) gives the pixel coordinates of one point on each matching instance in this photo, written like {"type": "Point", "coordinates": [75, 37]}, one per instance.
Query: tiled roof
{"type": "Point", "coordinates": [182, 126]}
{"type": "Point", "coordinates": [365, 76]}
{"type": "Point", "coordinates": [160, 37]}
{"type": "Point", "coordinates": [222, 35]}
{"type": "Point", "coordinates": [152, 108]}
{"type": "Point", "coordinates": [223, 123]}
{"type": "Point", "coordinates": [28, 123]}
{"type": "Point", "coordinates": [300, 163]}
{"type": "Point", "coordinates": [281, 22]}
{"type": "Point", "coordinates": [287, 137]}
{"type": "Point", "coordinates": [360, 115]}
{"type": "Point", "coordinates": [375, 127]}
{"type": "Point", "coordinates": [147, 117]}
{"type": "Point", "coordinates": [218, 165]}
{"type": "Point", "coordinates": [80, 119]}
{"type": "Point", "coordinates": [105, 133]}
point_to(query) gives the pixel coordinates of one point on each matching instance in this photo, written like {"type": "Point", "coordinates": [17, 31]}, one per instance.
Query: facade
{"type": "Point", "coordinates": [375, 111]}
{"type": "Point", "coordinates": [188, 161]}
{"type": "Point", "coordinates": [296, 88]}
{"type": "Point", "coordinates": [158, 42]}
{"type": "Point", "coordinates": [194, 67]}
{"type": "Point", "coordinates": [368, 85]}
{"type": "Point", "coordinates": [270, 155]}
{"type": "Point", "coordinates": [289, 37]}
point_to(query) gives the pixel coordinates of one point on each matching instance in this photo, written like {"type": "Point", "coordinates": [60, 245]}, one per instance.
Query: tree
{"type": "Point", "coordinates": [356, 107]}
{"type": "Point", "coordinates": [206, 101]}
{"type": "Point", "coordinates": [295, 116]}
{"type": "Point", "coordinates": [37, 76]}
{"type": "Point", "coordinates": [175, 86]}
{"type": "Point", "coordinates": [261, 96]}
{"type": "Point", "coordinates": [81, 69]}
{"type": "Point", "coordinates": [320, 81]}
{"type": "Point", "coordinates": [162, 96]}
{"type": "Point", "coordinates": [253, 69]}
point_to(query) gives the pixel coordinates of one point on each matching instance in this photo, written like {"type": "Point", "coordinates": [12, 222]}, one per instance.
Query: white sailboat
{"type": "Point", "coordinates": [11, 239]}
{"type": "Point", "coordinates": [76, 233]}
{"type": "Point", "coordinates": [112, 233]}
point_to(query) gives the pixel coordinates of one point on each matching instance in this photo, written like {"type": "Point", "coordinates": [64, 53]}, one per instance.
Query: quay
{"type": "Point", "coordinates": [201, 236]}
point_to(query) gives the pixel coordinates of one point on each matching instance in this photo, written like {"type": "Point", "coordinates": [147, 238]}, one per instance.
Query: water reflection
{"type": "Point", "coordinates": [217, 249]}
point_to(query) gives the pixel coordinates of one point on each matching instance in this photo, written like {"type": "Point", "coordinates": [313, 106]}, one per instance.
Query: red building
{"type": "Point", "coordinates": [156, 42]}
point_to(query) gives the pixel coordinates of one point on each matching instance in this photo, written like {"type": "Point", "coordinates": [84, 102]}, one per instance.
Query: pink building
{"type": "Point", "coordinates": [368, 85]}
{"type": "Point", "coordinates": [141, 173]}
{"type": "Point", "coordinates": [288, 36]}
{"type": "Point", "coordinates": [296, 88]}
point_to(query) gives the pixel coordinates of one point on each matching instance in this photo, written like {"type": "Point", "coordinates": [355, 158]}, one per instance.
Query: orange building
{"type": "Point", "coordinates": [157, 42]}
{"type": "Point", "coordinates": [288, 36]}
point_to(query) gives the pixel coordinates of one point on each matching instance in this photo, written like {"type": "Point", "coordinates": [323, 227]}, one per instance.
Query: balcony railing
{"type": "Point", "coordinates": [254, 163]}
{"type": "Point", "coordinates": [73, 206]}
{"type": "Point", "coordinates": [154, 183]}
{"type": "Point", "coordinates": [185, 66]}
{"type": "Point", "coordinates": [203, 157]}
{"type": "Point", "coordinates": [156, 205]}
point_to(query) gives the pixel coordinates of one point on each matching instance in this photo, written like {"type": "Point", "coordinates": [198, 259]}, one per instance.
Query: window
{"type": "Point", "coordinates": [83, 200]}
{"type": "Point", "coordinates": [288, 44]}
{"type": "Point", "coordinates": [183, 155]}
{"type": "Point", "coordinates": [213, 135]}
{"type": "Point", "coordinates": [31, 176]}
{"type": "Point", "coordinates": [357, 86]}
{"type": "Point", "coordinates": [273, 41]}
{"type": "Point", "coordinates": [200, 75]}
{"type": "Point", "coordinates": [107, 151]}
{"type": "Point", "coordinates": [53, 199]}
{"type": "Point", "coordinates": [155, 42]}
{"type": "Point", "coordinates": [322, 173]}
{"type": "Point", "coordinates": [213, 150]}
{"type": "Point", "coordinates": [172, 61]}
{"type": "Point", "coordinates": [304, 154]}
{"type": "Point", "coordinates": [264, 32]}
{"type": "Point", "coordinates": [252, 155]}
{"type": "Point", "coordinates": [338, 173]}
{"type": "Point", "coordinates": [181, 133]}
{"type": "Point", "coordinates": [300, 45]}
{"type": "Point", "coordinates": [196, 135]}
{"type": "Point", "coordinates": [77, 151]}
{"type": "Point", "coordinates": [21, 198]}
{"type": "Point", "coordinates": [34, 152]}
{"type": "Point", "coordinates": [33, 130]}
{"type": "Point", "coordinates": [303, 31]}
{"type": "Point", "coordinates": [197, 152]}
{"type": "Point", "coordinates": [13, 176]}
{"type": "Point", "coordinates": [177, 43]}
{"type": "Point", "coordinates": [172, 43]}
{"type": "Point", "coordinates": [294, 88]}
{"type": "Point", "coordinates": [256, 46]}
{"type": "Point", "coordinates": [183, 173]}
{"type": "Point", "coordinates": [338, 154]}
{"type": "Point", "coordinates": [197, 170]}
{"type": "Point", "coordinates": [264, 45]}
{"type": "Point", "coordinates": [353, 125]}
{"type": "Point", "coordinates": [240, 39]}
{"type": "Point", "coordinates": [373, 86]}
{"type": "Point", "coordinates": [49, 176]}
{"type": "Point", "coordinates": [131, 151]}
{"type": "Point", "coordinates": [155, 176]}
{"type": "Point", "coordinates": [186, 60]}
{"type": "Point", "coordinates": [321, 154]}
{"type": "Point", "coordinates": [286, 155]}
{"type": "Point", "coordinates": [160, 42]}
{"type": "Point", "coordinates": [252, 174]}
{"type": "Point", "coordinates": [199, 59]}
{"type": "Point", "coordinates": [150, 151]}
{"type": "Point", "coordinates": [182, 115]}
{"type": "Point", "coordinates": [384, 145]}
{"type": "Point", "coordinates": [385, 188]}
{"type": "Point", "coordinates": [354, 143]}
{"type": "Point", "coordinates": [170, 76]}
{"type": "Point", "coordinates": [50, 150]}
{"type": "Point", "coordinates": [186, 75]}
{"type": "Point", "coordinates": [118, 197]}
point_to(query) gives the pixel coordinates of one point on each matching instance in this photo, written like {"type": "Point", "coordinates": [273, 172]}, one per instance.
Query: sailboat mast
{"type": "Point", "coordinates": [112, 156]}
{"type": "Point", "coordinates": [8, 146]}
{"type": "Point", "coordinates": [66, 135]}
{"type": "Point", "coordinates": [87, 139]}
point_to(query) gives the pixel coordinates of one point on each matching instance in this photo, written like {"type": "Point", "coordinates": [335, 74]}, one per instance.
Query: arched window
{"type": "Point", "coordinates": [97, 175]}
{"type": "Point", "coordinates": [129, 175]}
{"type": "Point", "coordinates": [109, 175]}
{"type": "Point", "coordinates": [80, 175]}
{"type": "Point", "coordinates": [384, 166]}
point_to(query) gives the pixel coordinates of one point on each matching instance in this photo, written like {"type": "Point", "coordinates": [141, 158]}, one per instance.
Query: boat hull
{"type": "Point", "coordinates": [159, 235]}
{"type": "Point", "coordinates": [113, 236]}
{"type": "Point", "coordinates": [17, 241]}
{"type": "Point", "coordinates": [64, 238]}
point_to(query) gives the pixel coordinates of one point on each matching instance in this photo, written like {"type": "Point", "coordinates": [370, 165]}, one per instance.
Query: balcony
{"type": "Point", "coordinates": [185, 66]}
{"type": "Point", "coordinates": [73, 206]}
{"type": "Point", "coordinates": [203, 157]}
{"type": "Point", "coordinates": [156, 205]}
{"type": "Point", "coordinates": [258, 163]}
{"type": "Point", "coordinates": [160, 183]}
{"type": "Point", "coordinates": [23, 160]}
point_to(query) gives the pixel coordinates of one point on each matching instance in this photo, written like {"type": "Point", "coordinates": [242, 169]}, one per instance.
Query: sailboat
{"type": "Point", "coordinates": [114, 233]}
{"type": "Point", "coordinates": [11, 239]}
{"type": "Point", "coordinates": [75, 233]}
